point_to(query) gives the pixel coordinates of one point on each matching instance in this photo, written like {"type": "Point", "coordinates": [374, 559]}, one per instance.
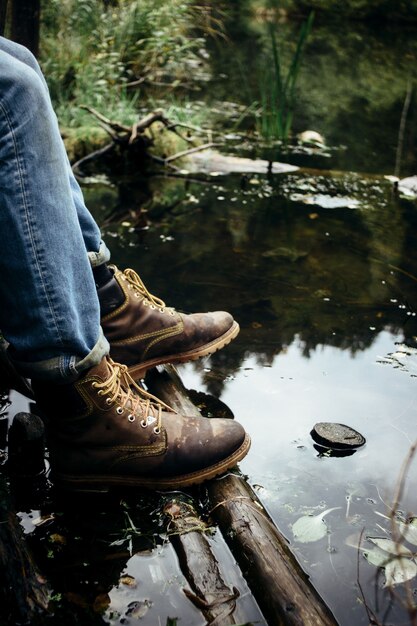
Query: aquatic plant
{"type": "Point", "coordinates": [278, 88]}
{"type": "Point", "coordinates": [311, 527]}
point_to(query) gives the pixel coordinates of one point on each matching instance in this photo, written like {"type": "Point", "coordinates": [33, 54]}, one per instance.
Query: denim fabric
{"type": "Point", "coordinates": [49, 310]}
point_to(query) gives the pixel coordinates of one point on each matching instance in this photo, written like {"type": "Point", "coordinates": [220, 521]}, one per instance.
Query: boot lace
{"type": "Point", "coordinates": [134, 281]}
{"type": "Point", "coordinates": [118, 389]}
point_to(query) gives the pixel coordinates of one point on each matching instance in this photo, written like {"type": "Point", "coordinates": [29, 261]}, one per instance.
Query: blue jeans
{"type": "Point", "coordinates": [49, 309]}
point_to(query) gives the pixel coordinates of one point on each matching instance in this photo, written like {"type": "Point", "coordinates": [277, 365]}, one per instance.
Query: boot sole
{"type": "Point", "coordinates": [138, 371]}
{"type": "Point", "coordinates": [102, 484]}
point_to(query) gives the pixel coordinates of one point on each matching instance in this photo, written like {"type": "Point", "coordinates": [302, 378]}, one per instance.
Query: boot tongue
{"type": "Point", "coordinates": [102, 370]}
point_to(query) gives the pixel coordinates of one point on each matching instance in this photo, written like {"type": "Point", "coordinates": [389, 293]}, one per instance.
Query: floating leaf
{"type": "Point", "coordinates": [409, 530]}
{"type": "Point", "coordinates": [399, 570]}
{"type": "Point", "coordinates": [392, 547]}
{"type": "Point", "coordinates": [311, 527]}
{"type": "Point", "coordinates": [376, 556]}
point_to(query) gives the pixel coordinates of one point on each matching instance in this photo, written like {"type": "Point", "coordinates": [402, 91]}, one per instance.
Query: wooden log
{"type": "Point", "coordinates": [24, 594]}
{"type": "Point", "coordinates": [277, 581]}
{"type": "Point", "coordinates": [215, 599]}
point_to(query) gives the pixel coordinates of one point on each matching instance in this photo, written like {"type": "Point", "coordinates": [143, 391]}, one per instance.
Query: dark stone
{"type": "Point", "coordinates": [337, 436]}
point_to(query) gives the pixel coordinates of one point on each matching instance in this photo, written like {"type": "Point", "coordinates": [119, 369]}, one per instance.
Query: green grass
{"type": "Point", "coordinates": [89, 55]}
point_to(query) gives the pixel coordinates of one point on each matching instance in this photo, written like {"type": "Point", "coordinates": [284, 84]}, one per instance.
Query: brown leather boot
{"type": "Point", "coordinates": [105, 431]}
{"type": "Point", "coordinates": [143, 332]}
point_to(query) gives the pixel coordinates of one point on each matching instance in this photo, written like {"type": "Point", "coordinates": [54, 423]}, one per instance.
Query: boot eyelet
{"type": "Point", "coordinates": [153, 307]}
{"type": "Point", "coordinates": [137, 295]}
{"type": "Point", "coordinates": [109, 401]}
{"type": "Point", "coordinates": [100, 392]}
{"type": "Point", "coordinates": [161, 310]}
{"type": "Point", "coordinates": [131, 418]}
{"type": "Point", "coordinates": [94, 385]}
{"type": "Point", "coordinates": [143, 423]}
{"type": "Point", "coordinates": [157, 430]}
{"type": "Point", "coordinates": [119, 410]}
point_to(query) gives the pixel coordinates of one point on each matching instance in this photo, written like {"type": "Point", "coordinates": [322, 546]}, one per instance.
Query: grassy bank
{"type": "Point", "coordinates": [119, 58]}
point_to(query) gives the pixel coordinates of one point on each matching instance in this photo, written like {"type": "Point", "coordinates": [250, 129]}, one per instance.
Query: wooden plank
{"type": "Point", "coordinates": [282, 589]}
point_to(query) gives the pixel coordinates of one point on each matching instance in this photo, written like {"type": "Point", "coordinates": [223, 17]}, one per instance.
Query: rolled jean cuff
{"type": "Point", "coordinates": [64, 369]}
{"type": "Point", "coordinates": [100, 257]}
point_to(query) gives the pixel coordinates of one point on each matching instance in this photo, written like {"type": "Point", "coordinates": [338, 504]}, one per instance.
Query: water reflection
{"type": "Point", "coordinates": [285, 268]}
{"type": "Point", "coordinates": [323, 295]}
{"type": "Point", "coordinates": [356, 105]}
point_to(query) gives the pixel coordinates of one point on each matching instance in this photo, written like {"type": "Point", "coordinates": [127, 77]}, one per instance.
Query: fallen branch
{"type": "Point", "coordinates": [184, 153]}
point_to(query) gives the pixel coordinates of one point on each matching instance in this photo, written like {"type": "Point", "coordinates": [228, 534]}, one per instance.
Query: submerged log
{"type": "Point", "coordinates": [24, 593]}
{"type": "Point", "coordinates": [215, 599]}
{"type": "Point", "coordinates": [277, 581]}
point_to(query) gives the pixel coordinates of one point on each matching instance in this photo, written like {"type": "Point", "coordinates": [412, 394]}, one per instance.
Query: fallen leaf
{"type": "Point", "coordinates": [409, 530]}
{"type": "Point", "coordinates": [311, 527]}
{"type": "Point", "coordinates": [398, 571]}
{"type": "Point", "coordinates": [392, 547]}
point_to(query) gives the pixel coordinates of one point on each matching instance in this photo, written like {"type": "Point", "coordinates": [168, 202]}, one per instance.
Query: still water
{"type": "Point", "coordinates": [326, 302]}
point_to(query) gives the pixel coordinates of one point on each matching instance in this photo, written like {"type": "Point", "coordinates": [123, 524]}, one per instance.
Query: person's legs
{"type": "Point", "coordinates": [142, 332]}
{"type": "Point", "coordinates": [49, 308]}
{"type": "Point", "coordinates": [102, 429]}
{"type": "Point", "coordinates": [97, 251]}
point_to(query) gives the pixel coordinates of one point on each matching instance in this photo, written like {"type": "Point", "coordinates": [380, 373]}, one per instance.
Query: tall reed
{"type": "Point", "coordinates": [278, 89]}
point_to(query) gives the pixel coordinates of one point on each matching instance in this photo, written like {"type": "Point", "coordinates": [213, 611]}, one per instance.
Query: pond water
{"type": "Point", "coordinates": [326, 302]}
{"type": "Point", "coordinates": [320, 271]}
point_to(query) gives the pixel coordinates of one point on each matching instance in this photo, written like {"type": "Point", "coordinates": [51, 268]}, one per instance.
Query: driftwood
{"type": "Point", "coordinates": [275, 577]}
{"type": "Point", "coordinates": [23, 591]}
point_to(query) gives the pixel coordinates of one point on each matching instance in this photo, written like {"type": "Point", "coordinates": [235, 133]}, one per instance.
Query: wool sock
{"type": "Point", "coordinates": [109, 292]}
{"type": "Point", "coordinates": [102, 275]}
